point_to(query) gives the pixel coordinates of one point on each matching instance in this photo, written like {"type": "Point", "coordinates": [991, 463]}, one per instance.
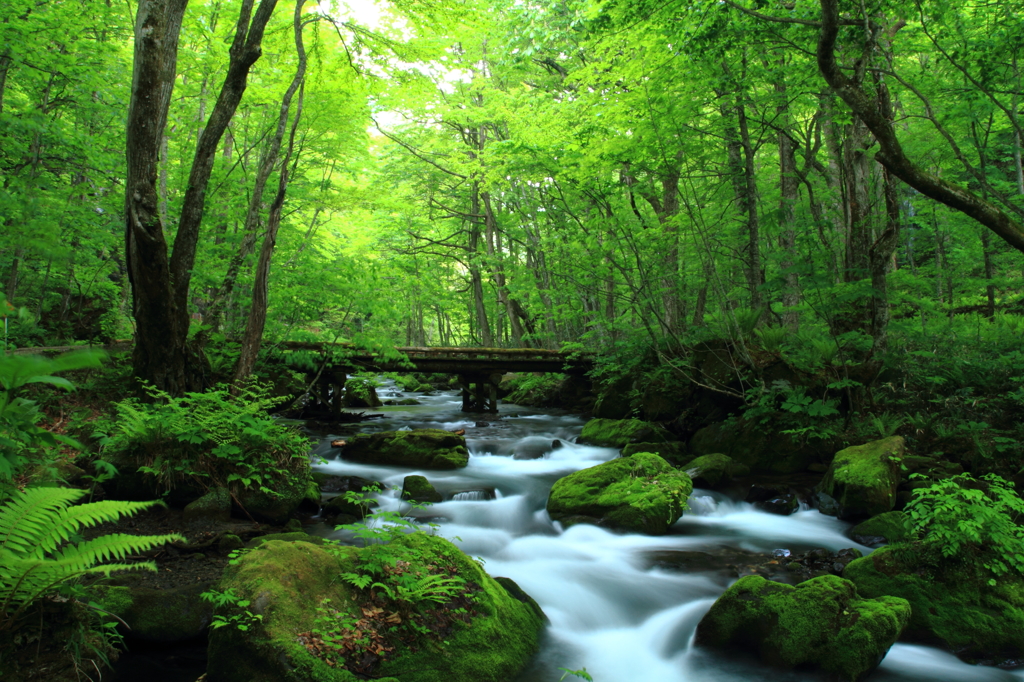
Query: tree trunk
{"type": "Point", "coordinates": [253, 336]}
{"type": "Point", "coordinates": [476, 279]}
{"type": "Point", "coordinates": [160, 353]}
{"type": "Point", "coordinates": [160, 283]}
{"type": "Point", "coordinates": [789, 186]}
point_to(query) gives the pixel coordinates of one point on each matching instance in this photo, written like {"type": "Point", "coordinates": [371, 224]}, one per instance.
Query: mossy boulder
{"type": "Point", "coordinates": [418, 489]}
{"type": "Point", "coordinates": [158, 615]}
{"type": "Point", "coordinates": [614, 402]}
{"type": "Point", "coordinates": [617, 433]}
{"type": "Point", "coordinates": [712, 471]}
{"type": "Point", "coordinates": [211, 507]}
{"type": "Point", "coordinates": [821, 624]}
{"type": "Point", "coordinates": [418, 449]}
{"type": "Point", "coordinates": [276, 504]}
{"type": "Point", "coordinates": [674, 453]}
{"type": "Point", "coordinates": [639, 494]}
{"type": "Point", "coordinates": [287, 582]}
{"type": "Point", "coordinates": [863, 478]}
{"type": "Point", "coordinates": [360, 393]}
{"type": "Point", "coordinates": [293, 536]}
{"type": "Point", "coordinates": [890, 527]}
{"type": "Point", "coordinates": [953, 605]}
{"type": "Point", "coordinates": [759, 447]}
{"type": "Point", "coordinates": [343, 509]}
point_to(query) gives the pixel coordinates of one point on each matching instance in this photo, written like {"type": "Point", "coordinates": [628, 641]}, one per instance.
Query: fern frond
{"type": "Point", "coordinates": [25, 516]}
{"type": "Point", "coordinates": [108, 547]}
{"type": "Point", "coordinates": [87, 515]}
{"type": "Point", "coordinates": [34, 522]}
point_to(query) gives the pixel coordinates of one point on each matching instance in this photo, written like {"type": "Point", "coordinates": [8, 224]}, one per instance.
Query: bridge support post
{"type": "Point", "coordinates": [479, 392]}
{"type": "Point", "coordinates": [337, 385]}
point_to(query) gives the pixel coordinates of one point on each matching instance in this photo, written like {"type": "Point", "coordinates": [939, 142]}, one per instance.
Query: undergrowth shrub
{"type": "Point", "coordinates": [978, 521]}
{"type": "Point", "coordinates": [23, 443]}
{"type": "Point", "coordinates": [212, 438]}
{"type": "Point", "coordinates": [533, 390]}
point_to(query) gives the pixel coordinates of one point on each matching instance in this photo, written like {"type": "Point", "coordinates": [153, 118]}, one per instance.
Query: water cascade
{"type": "Point", "coordinates": [616, 605]}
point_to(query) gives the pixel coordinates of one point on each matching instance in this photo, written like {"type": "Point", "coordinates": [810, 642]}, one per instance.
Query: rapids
{"type": "Point", "coordinates": [612, 611]}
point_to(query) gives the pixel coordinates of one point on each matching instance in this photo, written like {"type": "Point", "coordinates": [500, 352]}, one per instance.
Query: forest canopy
{"type": "Point", "coordinates": [611, 175]}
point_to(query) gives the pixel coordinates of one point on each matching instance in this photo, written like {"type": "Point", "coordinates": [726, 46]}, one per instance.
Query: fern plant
{"type": "Point", "coordinates": [38, 548]}
{"type": "Point", "coordinates": [20, 436]}
{"type": "Point", "coordinates": [213, 438]}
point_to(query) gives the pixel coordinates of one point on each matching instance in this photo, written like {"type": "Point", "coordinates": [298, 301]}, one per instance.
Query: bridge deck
{"type": "Point", "coordinates": [472, 361]}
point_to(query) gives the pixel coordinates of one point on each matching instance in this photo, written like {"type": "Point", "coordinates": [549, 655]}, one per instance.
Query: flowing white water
{"type": "Point", "coordinates": [610, 610]}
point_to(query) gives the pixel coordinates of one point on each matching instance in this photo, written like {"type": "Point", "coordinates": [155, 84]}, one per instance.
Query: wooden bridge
{"type": "Point", "coordinates": [479, 369]}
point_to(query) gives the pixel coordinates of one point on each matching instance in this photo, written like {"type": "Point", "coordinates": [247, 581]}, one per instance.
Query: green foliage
{"type": "Point", "coordinates": [22, 440]}
{"type": "Point", "coordinates": [40, 549]}
{"type": "Point", "coordinates": [396, 574]}
{"type": "Point", "coordinates": [213, 438]}
{"type": "Point", "coordinates": [222, 600]}
{"type": "Point", "coordinates": [976, 520]}
{"type": "Point", "coordinates": [581, 673]}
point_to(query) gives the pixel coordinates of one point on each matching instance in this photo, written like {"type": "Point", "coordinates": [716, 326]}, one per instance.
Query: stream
{"type": "Point", "coordinates": [616, 605]}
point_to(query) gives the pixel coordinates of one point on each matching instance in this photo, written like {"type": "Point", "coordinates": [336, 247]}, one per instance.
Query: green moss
{"type": "Point", "coordinates": [287, 581]}
{"type": "Point", "coordinates": [617, 433]}
{"type": "Point", "coordinates": [642, 494]}
{"type": "Point", "coordinates": [673, 453]}
{"type": "Point", "coordinates": [418, 449]}
{"type": "Point", "coordinates": [418, 489]}
{"type": "Point", "coordinates": [821, 623]}
{"type": "Point", "coordinates": [715, 469]}
{"type": "Point", "coordinates": [295, 536]}
{"type": "Point", "coordinates": [276, 505]}
{"type": "Point", "coordinates": [762, 449]}
{"type": "Point", "coordinates": [360, 393]}
{"type": "Point", "coordinates": [889, 525]}
{"type": "Point", "coordinates": [863, 478]}
{"type": "Point", "coordinates": [952, 605]}
{"type": "Point", "coordinates": [158, 615]}
{"type": "Point", "coordinates": [213, 506]}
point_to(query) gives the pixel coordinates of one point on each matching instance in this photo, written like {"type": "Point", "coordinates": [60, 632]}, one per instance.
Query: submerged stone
{"type": "Point", "coordinates": [821, 624]}
{"type": "Point", "coordinates": [418, 449]}
{"type": "Point", "coordinates": [640, 494]}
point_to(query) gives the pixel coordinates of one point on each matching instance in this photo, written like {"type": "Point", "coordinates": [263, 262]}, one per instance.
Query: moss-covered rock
{"type": "Point", "coordinates": [820, 624]}
{"type": "Point", "coordinates": [889, 526]}
{"type": "Point", "coordinates": [617, 433]}
{"type": "Point", "coordinates": [418, 449]}
{"type": "Point", "coordinates": [614, 401]}
{"type": "Point", "coordinates": [213, 506]}
{"type": "Point", "coordinates": [674, 453]}
{"type": "Point", "coordinates": [712, 471]}
{"type": "Point", "coordinates": [863, 478]}
{"type": "Point", "coordinates": [360, 393]}
{"type": "Point", "coordinates": [639, 494]}
{"type": "Point", "coordinates": [158, 615]}
{"type": "Point", "coordinates": [275, 505]}
{"type": "Point", "coordinates": [953, 605]}
{"type": "Point", "coordinates": [418, 489]}
{"type": "Point", "coordinates": [759, 447]}
{"type": "Point", "coordinates": [286, 583]}
{"type": "Point", "coordinates": [293, 536]}
{"type": "Point", "coordinates": [342, 509]}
